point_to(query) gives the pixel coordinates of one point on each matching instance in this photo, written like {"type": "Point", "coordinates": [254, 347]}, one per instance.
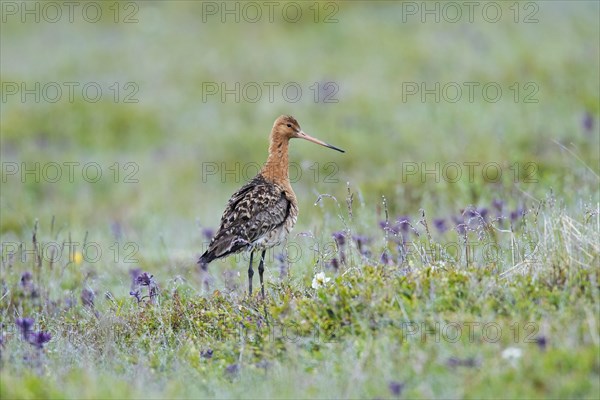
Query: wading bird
{"type": "Point", "coordinates": [262, 213]}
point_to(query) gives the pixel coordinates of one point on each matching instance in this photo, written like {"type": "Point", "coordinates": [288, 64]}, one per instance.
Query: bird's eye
{"type": "Point", "coordinates": [289, 125]}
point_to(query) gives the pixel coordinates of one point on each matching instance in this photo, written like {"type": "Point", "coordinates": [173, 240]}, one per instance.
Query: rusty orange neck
{"type": "Point", "coordinates": [276, 167]}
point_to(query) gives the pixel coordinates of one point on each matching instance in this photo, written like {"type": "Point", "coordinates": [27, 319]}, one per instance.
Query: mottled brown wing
{"type": "Point", "coordinates": [253, 211]}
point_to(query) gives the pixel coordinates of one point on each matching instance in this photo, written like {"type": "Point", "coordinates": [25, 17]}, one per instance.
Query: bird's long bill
{"type": "Point", "coordinates": [304, 135]}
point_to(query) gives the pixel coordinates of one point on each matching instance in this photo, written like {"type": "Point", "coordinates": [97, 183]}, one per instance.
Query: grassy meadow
{"type": "Point", "coordinates": [451, 252]}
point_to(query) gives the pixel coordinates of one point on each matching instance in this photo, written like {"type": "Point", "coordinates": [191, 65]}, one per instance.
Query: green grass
{"type": "Point", "coordinates": [410, 311]}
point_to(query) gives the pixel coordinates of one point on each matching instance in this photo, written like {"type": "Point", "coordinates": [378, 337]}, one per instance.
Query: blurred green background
{"type": "Point", "coordinates": [370, 51]}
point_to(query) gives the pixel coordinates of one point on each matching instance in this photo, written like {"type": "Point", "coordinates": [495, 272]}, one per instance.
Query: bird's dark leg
{"type": "Point", "coordinates": [261, 269]}
{"type": "Point", "coordinates": [250, 275]}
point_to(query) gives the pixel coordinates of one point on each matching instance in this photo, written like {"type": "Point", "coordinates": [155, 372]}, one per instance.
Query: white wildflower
{"type": "Point", "coordinates": [320, 280]}
{"type": "Point", "coordinates": [512, 353]}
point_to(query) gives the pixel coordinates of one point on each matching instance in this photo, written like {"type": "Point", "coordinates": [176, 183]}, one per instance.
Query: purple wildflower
{"type": "Point", "coordinates": [396, 388]}
{"type": "Point", "coordinates": [26, 279]}
{"type": "Point", "coordinates": [403, 223]}
{"type": "Point", "coordinates": [498, 205]}
{"type": "Point", "coordinates": [588, 122]}
{"type": "Point", "coordinates": [460, 225]}
{"type": "Point", "coordinates": [144, 279]}
{"type": "Point", "coordinates": [334, 263]}
{"type": "Point", "coordinates": [87, 297]}
{"type": "Point", "coordinates": [514, 215]}
{"type": "Point", "coordinates": [232, 370]}
{"type": "Point", "coordinates": [208, 234]}
{"type": "Point", "coordinates": [361, 240]}
{"type": "Point", "coordinates": [483, 212]}
{"type": "Point", "coordinates": [440, 225]}
{"type": "Point", "coordinates": [385, 258]}
{"type": "Point", "coordinates": [38, 339]}
{"type": "Point", "coordinates": [208, 353]}
{"type": "Point", "coordinates": [134, 273]}
{"type": "Point", "coordinates": [471, 213]}
{"type": "Point", "coordinates": [25, 325]}
{"type": "Point", "coordinates": [340, 238]}
{"type": "Point", "coordinates": [136, 294]}
{"type": "Point", "coordinates": [541, 342]}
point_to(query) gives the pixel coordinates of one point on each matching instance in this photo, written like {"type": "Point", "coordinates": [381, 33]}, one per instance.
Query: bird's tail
{"type": "Point", "coordinates": [220, 248]}
{"type": "Point", "coordinates": [205, 259]}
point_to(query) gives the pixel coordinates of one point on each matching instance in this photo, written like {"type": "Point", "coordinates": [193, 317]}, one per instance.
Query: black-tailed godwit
{"type": "Point", "coordinates": [263, 212]}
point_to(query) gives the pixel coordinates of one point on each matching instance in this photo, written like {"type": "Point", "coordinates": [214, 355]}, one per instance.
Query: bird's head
{"type": "Point", "coordinates": [286, 127]}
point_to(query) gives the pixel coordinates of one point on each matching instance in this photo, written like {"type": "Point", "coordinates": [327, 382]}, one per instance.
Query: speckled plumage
{"type": "Point", "coordinates": [262, 213]}
{"type": "Point", "coordinates": [257, 216]}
